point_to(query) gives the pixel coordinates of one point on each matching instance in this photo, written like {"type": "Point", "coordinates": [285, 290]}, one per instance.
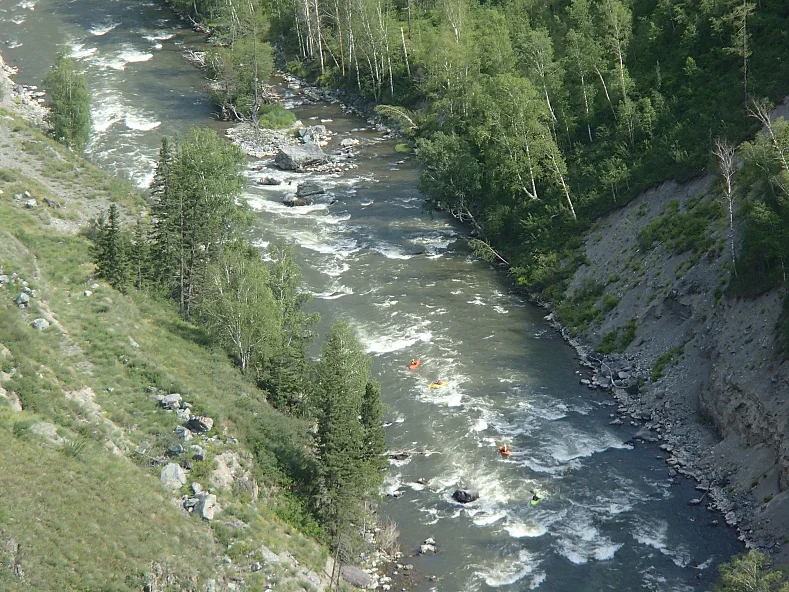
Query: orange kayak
{"type": "Point", "coordinates": [504, 452]}
{"type": "Point", "coordinates": [414, 365]}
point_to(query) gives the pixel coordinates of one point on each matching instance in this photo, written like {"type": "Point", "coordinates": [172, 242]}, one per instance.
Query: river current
{"type": "Point", "coordinates": [610, 519]}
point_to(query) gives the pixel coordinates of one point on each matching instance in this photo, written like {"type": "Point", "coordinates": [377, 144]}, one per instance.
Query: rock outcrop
{"type": "Point", "coordinates": [296, 158]}
{"type": "Point", "coordinates": [465, 496]}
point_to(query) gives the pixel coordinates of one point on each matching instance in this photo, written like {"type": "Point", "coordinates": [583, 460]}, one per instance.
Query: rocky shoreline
{"type": "Point", "coordinates": [26, 101]}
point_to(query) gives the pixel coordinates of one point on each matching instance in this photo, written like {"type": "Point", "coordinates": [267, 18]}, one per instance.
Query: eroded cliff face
{"type": "Point", "coordinates": [712, 372]}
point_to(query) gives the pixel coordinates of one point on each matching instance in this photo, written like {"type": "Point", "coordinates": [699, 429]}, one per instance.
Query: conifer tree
{"type": "Point", "coordinates": [374, 449]}
{"type": "Point", "coordinates": [342, 377]}
{"type": "Point", "coordinates": [111, 251]}
{"type": "Point", "coordinates": [140, 256]}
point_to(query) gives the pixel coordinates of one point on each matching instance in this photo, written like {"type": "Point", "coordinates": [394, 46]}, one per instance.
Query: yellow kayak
{"type": "Point", "coordinates": [437, 384]}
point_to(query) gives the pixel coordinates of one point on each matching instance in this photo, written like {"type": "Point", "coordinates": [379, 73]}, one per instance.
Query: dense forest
{"type": "Point", "coordinates": [533, 118]}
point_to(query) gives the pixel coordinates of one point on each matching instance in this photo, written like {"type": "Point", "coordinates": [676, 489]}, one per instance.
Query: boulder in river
{"type": "Point", "coordinates": [309, 188]}
{"type": "Point", "coordinates": [357, 577]}
{"type": "Point", "coordinates": [465, 496]}
{"type": "Point", "coordinates": [294, 158]}
{"type": "Point", "coordinates": [269, 181]}
{"type": "Point", "coordinates": [292, 200]}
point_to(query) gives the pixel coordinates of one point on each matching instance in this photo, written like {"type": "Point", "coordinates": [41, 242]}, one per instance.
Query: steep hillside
{"type": "Point", "coordinates": [102, 486]}
{"type": "Point", "coordinates": [703, 369]}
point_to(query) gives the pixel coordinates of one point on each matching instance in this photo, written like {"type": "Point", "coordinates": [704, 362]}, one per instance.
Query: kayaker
{"type": "Point", "coordinates": [535, 499]}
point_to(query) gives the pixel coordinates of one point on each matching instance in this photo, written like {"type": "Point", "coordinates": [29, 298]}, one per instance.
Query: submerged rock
{"type": "Point", "coordinates": [309, 188]}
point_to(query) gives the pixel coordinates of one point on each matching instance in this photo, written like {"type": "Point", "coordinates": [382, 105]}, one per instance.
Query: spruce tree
{"type": "Point", "coordinates": [111, 251]}
{"type": "Point", "coordinates": [69, 108]}
{"type": "Point", "coordinates": [374, 448]}
{"type": "Point", "coordinates": [140, 256]}
{"type": "Point", "coordinates": [342, 377]}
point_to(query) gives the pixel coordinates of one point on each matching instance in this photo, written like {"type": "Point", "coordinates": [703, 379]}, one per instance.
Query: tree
{"type": "Point", "coordinates": [69, 108]}
{"type": "Point", "coordinates": [374, 449]}
{"type": "Point", "coordinates": [237, 306]}
{"type": "Point", "coordinates": [341, 385]}
{"type": "Point", "coordinates": [286, 375]}
{"type": "Point", "coordinates": [750, 573]}
{"type": "Point", "coordinates": [140, 257]}
{"type": "Point", "coordinates": [724, 151]}
{"type": "Point", "coordinates": [196, 187]}
{"type": "Point", "coordinates": [111, 250]}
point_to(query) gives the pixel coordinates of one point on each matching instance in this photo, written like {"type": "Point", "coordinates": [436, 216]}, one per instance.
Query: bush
{"type": "Point", "coordinates": [672, 356]}
{"type": "Point", "coordinates": [275, 117]}
{"type": "Point", "coordinates": [22, 427]}
{"type": "Point", "coordinates": [683, 231]}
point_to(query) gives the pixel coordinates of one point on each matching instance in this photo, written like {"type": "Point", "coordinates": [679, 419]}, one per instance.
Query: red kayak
{"type": "Point", "coordinates": [414, 364]}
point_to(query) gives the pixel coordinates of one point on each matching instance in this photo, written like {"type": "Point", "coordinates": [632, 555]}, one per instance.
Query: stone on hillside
{"type": "Point", "coordinates": [23, 300]}
{"type": "Point", "coordinates": [356, 576]}
{"type": "Point", "coordinates": [87, 293]}
{"type": "Point", "coordinates": [268, 556]}
{"type": "Point", "coordinates": [39, 324]}
{"type": "Point", "coordinates": [199, 425]}
{"type": "Point", "coordinates": [27, 194]}
{"type": "Point", "coordinates": [4, 279]}
{"type": "Point", "coordinates": [293, 158]}
{"type": "Point", "coordinates": [309, 188]}
{"type": "Point", "coordinates": [206, 506]}
{"type": "Point", "coordinates": [30, 204]}
{"type": "Point", "coordinates": [51, 203]}
{"type": "Point", "coordinates": [183, 414]}
{"type": "Point", "coordinates": [175, 450]}
{"type": "Point", "coordinates": [227, 466]}
{"type": "Point", "coordinates": [198, 452]}
{"type": "Point", "coordinates": [171, 401]}
{"type": "Point", "coordinates": [183, 433]}
{"type": "Point", "coordinates": [197, 488]}
{"type": "Point", "coordinates": [48, 431]}
{"type": "Point", "coordinates": [465, 496]}
{"type": "Point", "coordinates": [172, 476]}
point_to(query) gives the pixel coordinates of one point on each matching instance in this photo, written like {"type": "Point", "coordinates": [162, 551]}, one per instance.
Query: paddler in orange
{"type": "Point", "coordinates": [505, 450]}
{"type": "Point", "coordinates": [414, 364]}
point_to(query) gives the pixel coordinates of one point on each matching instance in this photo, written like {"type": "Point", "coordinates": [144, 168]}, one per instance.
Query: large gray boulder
{"type": "Point", "coordinates": [356, 576]}
{"type": "Point", "coordinates": [206, 505]}
{"type": "Point", "coordinates": [465, 496]}
{"type": "Point", "coordinates": [172, 476]}
{"type": "Point", "coordinates": [23, 300]}
{"type": "Point", "coordinates": [292, 200]}
{"type": "Point", "coordinates": [294, 158]}
{"type": "Point", "coordinates": [171, 401]}
{"type": "Point", "coordinates": [40, 324]}
{"type": "Point", "coordinates": [309, 188]}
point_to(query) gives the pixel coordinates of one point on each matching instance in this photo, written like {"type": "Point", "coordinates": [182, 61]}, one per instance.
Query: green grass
{"type": "Point", "coordinates": [579, 310]}
{"type": "Point", "coordinates": [671, 357]}
{"type": "Point", "coordinates": [614, 342]}
{"type": "Point", "coordinates": [403, 148]}
{"type": "Point", "coordinates": [81, 505]}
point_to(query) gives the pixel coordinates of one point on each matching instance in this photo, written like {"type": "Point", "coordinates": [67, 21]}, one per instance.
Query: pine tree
{"type": "Point", "coordinates": [374, 451]}
{"type": "Point", "coordinates": [69, 108]}
{"type": "Point", "coordinates": [140, 257]}
{"type": "Point", "coordinates": [111, 251]}
{"type": "Point", "coordinates": [342, 377]}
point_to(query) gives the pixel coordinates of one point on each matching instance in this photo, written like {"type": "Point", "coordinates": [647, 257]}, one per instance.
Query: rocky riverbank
{"type": "Point", "coordinates": [25, 101]}
{"type": "Point", "coordinates": [699, 371]}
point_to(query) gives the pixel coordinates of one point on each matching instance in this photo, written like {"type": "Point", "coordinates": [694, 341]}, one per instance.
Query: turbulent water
{"type": "Point", "coordinates": [609, 520]}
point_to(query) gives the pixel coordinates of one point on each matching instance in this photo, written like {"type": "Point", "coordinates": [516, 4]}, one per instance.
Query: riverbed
{"type": "Point", "coordinates": [610, 518]}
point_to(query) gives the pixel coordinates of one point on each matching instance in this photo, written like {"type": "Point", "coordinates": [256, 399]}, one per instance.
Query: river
{"type": "Point", "coordinates": [610, 519]}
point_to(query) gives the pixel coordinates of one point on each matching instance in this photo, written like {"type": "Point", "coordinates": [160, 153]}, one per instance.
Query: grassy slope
{"type": "Point", "coordinates": [98, 519]}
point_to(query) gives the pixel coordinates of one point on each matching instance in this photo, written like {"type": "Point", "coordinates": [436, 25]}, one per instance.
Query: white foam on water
{"type": "Point", "coordinates": [575, 445]}
{"type": "Point", "coordinates": [78, 51]}
{"type": "Point", "coordinates": [383, 339]}
{"type": "Point", "coordinates": [13, 43]}
{"type": "Point", "coordinates": [480, 425]}
{"type": "Point", "coordinates": [158, 36]}
{"type": "Point", "coordinates": [101, 30]}
{"type": "Point", "coordinates": [134, 56]}
{"type": "Point", "coordinates": [391, 251]}
{"type": "Point", "coordinates": [387, 303]}
{"type": "Point", "coordinates": [364, 204]}
{"type": "Point", "coordinates": [138, 122]}
{"type": "Point", "coordinates": [500, 309]}
{"type": "Point", "coordinates": [335, 291]}
{"type": "Point", "coordinates": [511, 570]}
{"type": "Point", "coordinates": [580, 541]}
{"type": "Point", "coordinates": [486, 519]}
{"type": "Point", "coordinates": [27, 4]}
{"type": "Point", "coordinates": [17, 20]}
{"type": "Point", "coordinates": [107, 111]}
{"type": "Point", "coordinates": [391, 483]}
{"type": "Point", "coordinates": [654, 533]}
{"type": "Point", "coordinates": [519, 530]}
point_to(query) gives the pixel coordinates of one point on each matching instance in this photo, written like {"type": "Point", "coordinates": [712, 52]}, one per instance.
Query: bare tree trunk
{"type": "Point", "coordinates": [605, 89]}
{"type": "Point", "coordinates": [405, 51]}
{"type": "Point", "coordinates": [318, 29]}
{"type": "Point", "coordinates": [724, 151]}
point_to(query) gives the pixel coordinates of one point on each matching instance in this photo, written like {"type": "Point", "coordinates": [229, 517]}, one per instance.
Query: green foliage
{"type": "Point", "coordinates": [682, 231]}
{"type": "Point", "coordinates": [672, 356]}
{"type": "Point", "coordinates": [275, 117]}
{"type": "Point", "coordinates": [69, 109]}
{"type": "Point", "coordinates": [580, 309]}
{"type": "Point", "coordinates": [750, 572]}
{"type": "Point", "coordinates": [614, 342]}
{"type": "Point", "coordinates": [111, 252]}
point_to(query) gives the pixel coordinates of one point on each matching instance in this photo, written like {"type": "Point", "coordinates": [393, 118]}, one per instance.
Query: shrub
{"type": "Point", "coordinates": [275, 117]}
